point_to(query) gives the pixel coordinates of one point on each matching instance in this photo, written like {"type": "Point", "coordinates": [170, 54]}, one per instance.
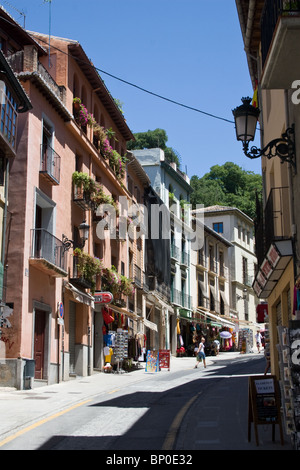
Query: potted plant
{"type": "Point", "coordinates": [76, 105]}
{"type": "Point", "coordinates": [87, 267]}
{"type": "Point", "coordinates": [84, 181]}
{"type": "Point", "coordinates": [99, 134]}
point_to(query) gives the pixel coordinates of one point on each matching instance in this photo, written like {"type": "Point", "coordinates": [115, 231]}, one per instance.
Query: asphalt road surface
{"type": "Point", "coordinates": [177, 411]}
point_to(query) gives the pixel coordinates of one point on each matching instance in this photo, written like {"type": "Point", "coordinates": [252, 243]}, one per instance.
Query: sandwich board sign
{"type": "Point", "coordinates": [264, 404]}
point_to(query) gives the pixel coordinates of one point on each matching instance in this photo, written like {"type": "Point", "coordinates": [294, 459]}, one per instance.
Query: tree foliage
{"type": "Point", "coordinates": [227, 185]}
{"type": "Point", "coordinates": [154, 139]}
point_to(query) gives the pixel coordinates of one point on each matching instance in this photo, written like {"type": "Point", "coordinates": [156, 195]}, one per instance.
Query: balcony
{"type": "Point", "coordinates": [273, 241]}
{"type": "Point", "coordinates": [176, 297]}
{"type": "Point", "coordinates": [175, 252]}
{"type": "Point", "coordinates": [280, 33]}
{"type": "Point", "coordinates": [275, 223]}
{"type": "Point", "coordinates": [185, 259]}
{"type": "Point", "coordinates": [82, 198]}
{"type": "Point", "coordinates": [50, 165]}
{"type": "Point", "coordinates": [77, 273]}
{"type": "Point", "coordinates": [137, 276]}
{"type": "Point", "coordinates": [47, 253]}
{"type": "Point", "coordinates": [26, 66]}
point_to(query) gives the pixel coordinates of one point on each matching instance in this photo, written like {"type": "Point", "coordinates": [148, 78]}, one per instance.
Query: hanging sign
{"type": "Point", "coordinates": [103, 297]}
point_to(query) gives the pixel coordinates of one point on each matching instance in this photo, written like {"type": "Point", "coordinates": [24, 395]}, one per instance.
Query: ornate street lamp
{"type": "Point", "coordinates": [246, 117]}
{"type": "Point", "coordinates": [83, 235]}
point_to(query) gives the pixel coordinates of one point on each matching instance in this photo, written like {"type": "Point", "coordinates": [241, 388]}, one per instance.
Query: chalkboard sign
{"type": "Point", "coordinates": [264, 404]}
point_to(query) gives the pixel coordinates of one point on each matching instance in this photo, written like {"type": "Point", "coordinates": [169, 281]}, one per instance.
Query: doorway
{"type": "Point", "coordinates": [39, 343]}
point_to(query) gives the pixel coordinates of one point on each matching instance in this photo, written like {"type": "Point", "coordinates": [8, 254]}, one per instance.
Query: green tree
{"type": "Point", "coordinates": [154, 139]}
{"type": "Point", "coordinates": [227, 185]}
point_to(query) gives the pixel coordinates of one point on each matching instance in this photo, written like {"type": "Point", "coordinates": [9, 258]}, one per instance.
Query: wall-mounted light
{"type": "Point", "coordinates": [246, 117]}
{"type": "Point", "coordinates": [83, 235]}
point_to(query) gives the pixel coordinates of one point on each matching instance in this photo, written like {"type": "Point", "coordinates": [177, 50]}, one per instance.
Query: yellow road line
{"type": "Point", "coordinates": [171, 435]}
{"type": "Point", "coordinates": [114, 391]}
{"type": "Point", "coordinates": [39, 423]}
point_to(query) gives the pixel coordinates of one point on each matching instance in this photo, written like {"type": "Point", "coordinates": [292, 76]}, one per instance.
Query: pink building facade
{"type": "Point", "coordinates": [52, 273]}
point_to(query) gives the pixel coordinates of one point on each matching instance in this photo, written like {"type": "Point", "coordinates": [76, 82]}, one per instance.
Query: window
{"type": "Point", "coordinates": [245, 270]}
{"type": "Point", "coordinates": [8, 122]}
{"type": "Point", "coordinates": [218, 227]}
{"type": "Point", "coordinates": [50, 160]}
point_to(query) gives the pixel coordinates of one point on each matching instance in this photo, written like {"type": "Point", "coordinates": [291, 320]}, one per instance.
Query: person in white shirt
{"type": "Point", "coordinates": [201, 353]}
{"type": "Point", "coordinates": [258, 338]}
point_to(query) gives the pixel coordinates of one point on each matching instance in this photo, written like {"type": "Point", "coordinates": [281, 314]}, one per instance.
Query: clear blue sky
{"type": "Point", "coordinates": [190, 51]}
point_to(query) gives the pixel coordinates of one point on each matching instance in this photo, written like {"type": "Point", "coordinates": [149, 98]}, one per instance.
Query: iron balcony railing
{"type": "Point", "coordinates": [176, 297]}
{"type": "Point", "coordinates": [175, 252]}
{"type": "Point", "coordinates": [46, 246]}
{"type": "Point", "coordinates": [77, 274]}
{"type": "Point", "coordinates": [273, 223]}
{"type": "Point", "coordinates": [185, 258]}
{"type": "Point", "coordinates": [273, 9]}
{"type": "Point", "coordinates": [17, 63]}
{"type": "Point", "coordinates": [50, 164]}
{"type": "Point", "coordinates": [137, 276]}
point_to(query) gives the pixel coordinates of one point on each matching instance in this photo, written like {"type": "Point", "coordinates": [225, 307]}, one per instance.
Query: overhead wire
{"type": "Point", "coordinates": [141, 88]}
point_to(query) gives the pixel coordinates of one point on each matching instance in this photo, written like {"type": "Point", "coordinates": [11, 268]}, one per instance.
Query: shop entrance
{"type": "Point", "coordinates": [39, 343]}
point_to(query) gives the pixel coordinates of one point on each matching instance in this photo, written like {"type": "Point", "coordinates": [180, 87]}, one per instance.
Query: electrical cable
{"type": "Point", "coordinates": [134, 85]}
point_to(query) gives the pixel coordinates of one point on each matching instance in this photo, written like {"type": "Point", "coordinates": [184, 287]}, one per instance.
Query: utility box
{"type": "Point", "coordinates": [29, 370]}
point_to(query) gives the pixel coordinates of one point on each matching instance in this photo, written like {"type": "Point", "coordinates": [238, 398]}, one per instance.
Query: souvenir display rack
{"type": "Point", "coordinates": [289, 364]}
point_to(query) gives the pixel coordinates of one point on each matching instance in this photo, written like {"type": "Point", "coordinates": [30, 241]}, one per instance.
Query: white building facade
{"type": "Point", "coordinates": [173, 188]}
{"type": "Point", "coordinates": [238, 228]}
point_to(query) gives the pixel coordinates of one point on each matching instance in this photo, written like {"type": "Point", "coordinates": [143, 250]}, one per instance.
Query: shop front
{"type": "Point", "coordinates": [118, 340]}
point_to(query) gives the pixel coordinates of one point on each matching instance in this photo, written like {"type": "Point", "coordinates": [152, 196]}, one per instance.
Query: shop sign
{"type": "Point", "coordinates": [261, 279]}
{"type": "Point", "coordinates": [257, 289]}
{"type": "Point", "coordinates": [264, 404]}
{"type": "Point", "coordinates": [273, 256]}
{"type": "Point", "coordinates": [266, 268]}
{"type": "Point", "coordinates": [103, 297]}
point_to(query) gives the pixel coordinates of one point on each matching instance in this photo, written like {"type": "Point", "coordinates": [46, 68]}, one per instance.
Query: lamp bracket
{"type": "Point", "coordinates": [284, 148]}
{"type": "Point", "coordinates": [67, 243]}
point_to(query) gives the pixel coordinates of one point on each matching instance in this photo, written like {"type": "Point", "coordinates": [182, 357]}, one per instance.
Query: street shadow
{"type": "Point", "coordinates": [151, 429]}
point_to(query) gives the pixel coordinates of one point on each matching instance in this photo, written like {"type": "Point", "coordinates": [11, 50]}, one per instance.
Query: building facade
{"type": "Point", "coordinates": [69, 175]}
{"type": "Point", "coordinates": [238, 228]}
{"type": "Point", "coordinates": [267, 38]}
{"type": "Point", "coordinates": [210, 281]}
{"type": "Point", "coordinates": [173, 188]}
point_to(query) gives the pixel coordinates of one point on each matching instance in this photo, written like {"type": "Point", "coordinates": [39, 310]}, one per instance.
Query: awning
{"type": "Point", "coordinates": [123, 311]}
{"type": "Point", "coordinates": [80, 296]}
{"type": "Point", "coordinates": [216, 318]}
{"type": "Point", "coordinates": [163, 304]}
{"type": "Point", "coordinates": [150, 324]}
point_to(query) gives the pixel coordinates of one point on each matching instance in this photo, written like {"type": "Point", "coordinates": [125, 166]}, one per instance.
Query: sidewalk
{"type": "Point", "coordinates": [21, 408]}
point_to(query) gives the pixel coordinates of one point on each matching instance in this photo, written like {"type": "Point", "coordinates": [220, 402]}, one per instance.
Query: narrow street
{"type": "Point", "coordinates": [184, 409]}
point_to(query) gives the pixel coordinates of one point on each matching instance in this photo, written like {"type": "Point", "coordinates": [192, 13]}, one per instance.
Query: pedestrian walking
{"type": "Point", "coordinates": [201, 353]}
{"type": "Point", "coordinates": [258, 338]}
{"type": "Point", "coordinates": [217, 343]}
